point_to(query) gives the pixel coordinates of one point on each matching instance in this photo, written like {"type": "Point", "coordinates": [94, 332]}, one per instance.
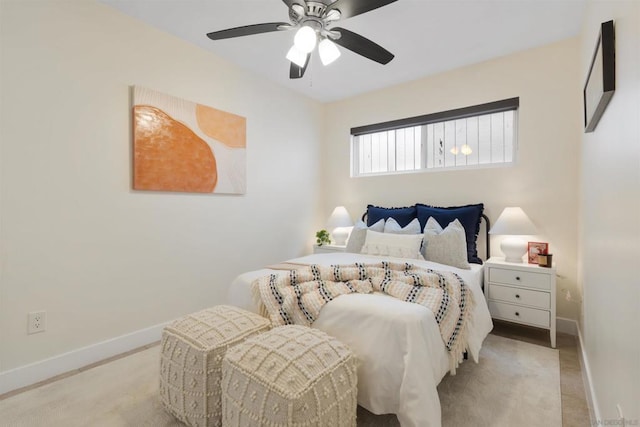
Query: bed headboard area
{"type": "Point", "coordinates": [469, 216]}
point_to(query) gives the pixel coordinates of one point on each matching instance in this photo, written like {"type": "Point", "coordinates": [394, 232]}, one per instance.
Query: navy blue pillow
{"type": "Point", "coordinates": [402, 215]}
{"type": "Point", "coordinates": [469, 216]}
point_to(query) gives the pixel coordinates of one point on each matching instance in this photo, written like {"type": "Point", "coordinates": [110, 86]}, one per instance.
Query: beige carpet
{"type": "Point", "coordinates": [515, 384]}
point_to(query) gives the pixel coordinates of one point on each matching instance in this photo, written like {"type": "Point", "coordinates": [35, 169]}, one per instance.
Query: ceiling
{"type": "Point", "coordinates": [426, 36]}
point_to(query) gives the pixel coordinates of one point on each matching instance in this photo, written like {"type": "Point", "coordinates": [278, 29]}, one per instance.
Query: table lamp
{"type": "Point", "coordinates": [338, 224]}
{"type": "Point", "coordinates": [513, 222]}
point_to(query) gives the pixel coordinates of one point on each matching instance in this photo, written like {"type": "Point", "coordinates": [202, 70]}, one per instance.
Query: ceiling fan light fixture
{"type": "Point", "coordinates": [328, 51]}
{"type": "Point", "coordinates": [296, 56]}
{"type": "Point", "coordinates": [305, 39]}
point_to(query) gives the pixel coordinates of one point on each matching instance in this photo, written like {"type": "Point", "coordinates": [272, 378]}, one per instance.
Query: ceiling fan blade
{"type": "Point", "coordinates": [248, 30]}
{"type": "Point", "coordinates": [349, 8]}
{"type": "Point", "coordinates": [296, 72]}
{"type": "Point", "coordinates": [362, 46]}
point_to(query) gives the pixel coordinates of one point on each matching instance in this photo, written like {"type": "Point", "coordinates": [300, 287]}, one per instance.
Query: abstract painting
{"type": "Point", "coordinates": [183, 146]}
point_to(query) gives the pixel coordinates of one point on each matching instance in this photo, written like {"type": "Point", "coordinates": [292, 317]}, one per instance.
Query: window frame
{"type": "Point", "coordinates": [510, 104]}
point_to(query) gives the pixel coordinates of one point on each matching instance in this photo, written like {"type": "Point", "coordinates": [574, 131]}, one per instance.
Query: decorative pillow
{"type": "Point", "coordinates": [446, 246]}
{"type": "Point", "coordinates": [395, 245]}
{"type": "Point", "coordinates": [359, 234]}
{"type": "Point", "coordinates": [469, 216]}
{"type": "Point", "coordinates": [402, 215]}
{"type": "Point", "coordinates": [392, 226]}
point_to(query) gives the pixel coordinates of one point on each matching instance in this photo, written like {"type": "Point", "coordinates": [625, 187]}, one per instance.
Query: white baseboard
{"type": "Point", "coordinates": [571, 327]}
{"type": "Point", "coordinates": [592, 402]}
{"type": "Point", "coordinates": [567, 326]}
{"type": "Point", "coordinates": [24, 376]}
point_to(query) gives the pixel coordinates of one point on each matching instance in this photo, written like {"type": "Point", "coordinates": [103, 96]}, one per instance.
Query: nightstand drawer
{"type": "Point", "coordinates": [520, 296]}
{"type": "Point", "coordinates": [520, 278]}
{"type": "Point", "coordinates": [519, 314]}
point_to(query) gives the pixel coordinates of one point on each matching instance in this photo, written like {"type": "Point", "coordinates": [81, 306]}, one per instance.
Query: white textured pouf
{"type": "Point", "coordinates": [289, 376]}
{"type": "Point", "coordinates": [190, 364]}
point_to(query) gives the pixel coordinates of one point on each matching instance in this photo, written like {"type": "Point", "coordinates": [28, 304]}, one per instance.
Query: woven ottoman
{"type": "Point", "coordinates": [289, 376]}
{"type": "Point", "coordinates": [191, 361]}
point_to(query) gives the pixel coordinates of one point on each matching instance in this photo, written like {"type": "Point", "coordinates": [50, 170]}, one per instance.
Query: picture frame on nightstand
{"type": "Point", "coordinates": [535, 249]}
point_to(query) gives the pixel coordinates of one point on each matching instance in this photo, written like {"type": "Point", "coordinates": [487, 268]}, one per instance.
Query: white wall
{"type": "Point", "coordinates": [544, 181]}
{"type": "Point", "coordinates": [610, 223]}
{"type": "Point", "coordinates": [75, 240]}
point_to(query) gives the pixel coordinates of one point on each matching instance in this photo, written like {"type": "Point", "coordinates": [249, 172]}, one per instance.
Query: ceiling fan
{"type": "Point", "coordinates": [314, 22]}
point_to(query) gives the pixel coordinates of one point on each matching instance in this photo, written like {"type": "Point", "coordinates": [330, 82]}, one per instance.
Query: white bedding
{"type": "Point", "coordinates": [402, 357]}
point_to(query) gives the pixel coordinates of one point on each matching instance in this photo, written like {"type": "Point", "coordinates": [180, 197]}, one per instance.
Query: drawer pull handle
{"type": "Point", "coordinates": [517, 296]}
{"type": "Point", "coordinates": [517, 277]}
{"type": "Point", "coordinates": [517, 314]}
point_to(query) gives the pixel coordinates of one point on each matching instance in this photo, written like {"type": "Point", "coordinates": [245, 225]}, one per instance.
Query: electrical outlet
{"type": "Point", "coordinates": [36, 322]}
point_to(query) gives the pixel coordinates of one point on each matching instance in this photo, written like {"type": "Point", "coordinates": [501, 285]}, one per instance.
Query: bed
{"type": "Point", "coordinates": [401, 352]}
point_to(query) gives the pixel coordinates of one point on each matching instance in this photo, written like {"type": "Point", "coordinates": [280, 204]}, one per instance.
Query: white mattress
{"type": "Point", "coordinates": [402, 357]}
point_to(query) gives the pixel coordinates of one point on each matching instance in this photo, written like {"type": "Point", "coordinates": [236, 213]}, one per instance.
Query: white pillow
{"type": "Point", "coordinates": [359, 233]}
{"type": "Point", "coordinates": [395, 245]}
{"type": "Point", "coordinates": [392, 226]}
{"type": "Point", "coordinates": [448, 246]}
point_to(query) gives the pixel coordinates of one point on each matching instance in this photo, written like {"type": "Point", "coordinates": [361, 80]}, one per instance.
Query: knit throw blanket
{"type": "Point", "coordinates": [298, 296]}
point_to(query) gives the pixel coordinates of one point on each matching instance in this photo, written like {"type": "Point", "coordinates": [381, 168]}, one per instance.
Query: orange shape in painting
{"type": "Point", "coordinates": [227, 128]}
{"type": "Point", "coordinates": [168, 156]}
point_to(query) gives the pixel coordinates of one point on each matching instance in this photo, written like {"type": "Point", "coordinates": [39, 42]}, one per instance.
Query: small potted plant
{"type": "Point", "coordinates": [322, 238]}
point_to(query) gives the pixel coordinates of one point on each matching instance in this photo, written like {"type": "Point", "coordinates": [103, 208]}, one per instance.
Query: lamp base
{"type": "Point", "coordinates": [513, 248]}
{"type": "Point", "coordinates": [340, 235]}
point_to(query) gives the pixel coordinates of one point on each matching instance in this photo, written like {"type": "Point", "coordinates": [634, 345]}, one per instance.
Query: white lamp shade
{"type": "Point", "coordinates": [328, 51]}
{"type": "Point", "coordinates": [297, 56]}
{"type": "Point", "coordinates": [513, 222]}
{"type": "Point", "coordinates": [339, 223]}
{"type": "Point", "coordinates": [339, 218]}
{"type": "Point", "coordinates": [305, 39]}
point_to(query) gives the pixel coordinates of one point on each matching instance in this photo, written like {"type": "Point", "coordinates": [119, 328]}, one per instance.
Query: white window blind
{"type": "Point", "coordinates": [468, 137]}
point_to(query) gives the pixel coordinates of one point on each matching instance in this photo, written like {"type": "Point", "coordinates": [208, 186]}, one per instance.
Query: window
{"type": "Point", "coordinates": [467, 137]}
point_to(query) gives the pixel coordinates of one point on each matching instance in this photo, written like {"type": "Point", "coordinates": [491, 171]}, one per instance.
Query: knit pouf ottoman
{"type": "Point", "coordinates": [190, 365]}
{"type": "Point", "coordinates": [289, 376]}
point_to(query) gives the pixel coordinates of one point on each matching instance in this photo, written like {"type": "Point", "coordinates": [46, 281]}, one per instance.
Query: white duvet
{"type": "Point", "coordinates": [402, 357]}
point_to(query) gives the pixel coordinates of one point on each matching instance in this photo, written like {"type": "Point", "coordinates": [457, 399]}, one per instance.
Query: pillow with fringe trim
{"type": "Point", "coordinates": [445, 246]}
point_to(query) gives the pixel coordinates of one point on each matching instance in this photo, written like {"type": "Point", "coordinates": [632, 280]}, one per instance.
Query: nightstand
{"type": "Point", "coordinates": [324, 249]}
{"type": "Point", "coordinates": [521, 293]}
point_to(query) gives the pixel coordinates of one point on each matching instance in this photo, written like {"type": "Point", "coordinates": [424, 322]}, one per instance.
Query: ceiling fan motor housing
{"type": "Point", "coordinates": [315, 9]}
{"type": "Point", "coordinates": [312, 15]}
